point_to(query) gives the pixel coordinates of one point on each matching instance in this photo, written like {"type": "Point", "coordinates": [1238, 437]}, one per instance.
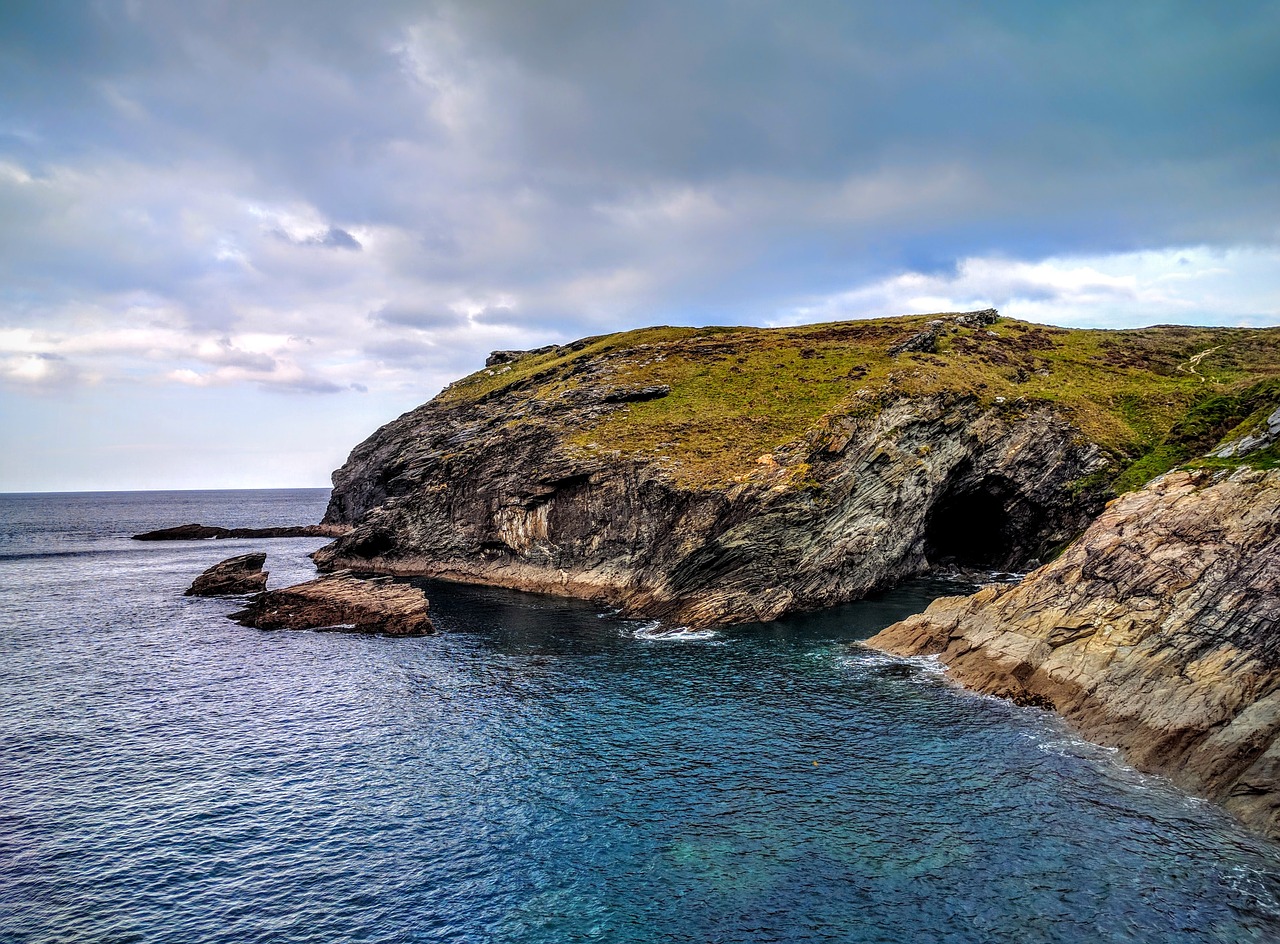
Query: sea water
{"type": "Point", "coordinates": [540, 771]}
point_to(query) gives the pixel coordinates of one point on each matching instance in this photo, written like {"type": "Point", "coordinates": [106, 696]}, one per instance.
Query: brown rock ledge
{"type": "Point", "coordinates": [342, 601]}
{"type": "Point", "coordinates": [1157, 632]}
{"type": "Point", "coordinates": [243, 574]}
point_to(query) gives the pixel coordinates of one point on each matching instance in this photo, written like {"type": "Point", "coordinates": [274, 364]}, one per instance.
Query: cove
{"type": "Point", "coordinates": [543, 772]}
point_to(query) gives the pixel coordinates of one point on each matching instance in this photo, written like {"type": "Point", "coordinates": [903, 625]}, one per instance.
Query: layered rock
{"type": "Point", "coordinates": [202, 532]}
{"type": "Point", "coordinates": [344, 602]}
{"type": "Point", "coordinates": [235, 575]}
{"type": "Point", "coordinates": [887, 494]}
{"type": "Point", "coordinates": [1157, 632]}
{"type": "Point", "coordinates": [722, 475]}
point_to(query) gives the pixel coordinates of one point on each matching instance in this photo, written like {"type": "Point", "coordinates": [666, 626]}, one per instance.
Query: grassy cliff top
{"type": "Point", "coordinates": [737, 393]}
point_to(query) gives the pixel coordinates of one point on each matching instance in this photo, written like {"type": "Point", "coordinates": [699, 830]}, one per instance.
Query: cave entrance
{"type": "Point", "coordinates": [983, 525]}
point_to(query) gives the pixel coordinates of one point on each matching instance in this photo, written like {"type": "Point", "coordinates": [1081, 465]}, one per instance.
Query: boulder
{"type": "Point", "coordinates": [344, 602]}
{"type": "Point", "coordinates": [243, 574]}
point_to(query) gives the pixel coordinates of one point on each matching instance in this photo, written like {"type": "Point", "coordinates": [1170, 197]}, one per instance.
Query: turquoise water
{"type": "Point", "coordinates": [540, 772]}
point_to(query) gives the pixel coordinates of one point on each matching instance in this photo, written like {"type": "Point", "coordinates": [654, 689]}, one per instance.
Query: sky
{"type": "Point", "coordinates": [237, 237]}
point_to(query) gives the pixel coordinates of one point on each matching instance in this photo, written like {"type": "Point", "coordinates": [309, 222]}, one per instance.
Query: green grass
{"type": "Point", "coordinates": [740, 393]}
{"type": "Point", "coordinates": [1215, 419]}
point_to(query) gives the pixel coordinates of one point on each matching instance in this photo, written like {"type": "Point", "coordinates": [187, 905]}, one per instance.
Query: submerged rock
{"type": "Point", "coordinates": [243, 574]}
{"type": "Point", "coordinates": [342, 601]}
{"type": "Point", "coordinates": [201, 532]}
{"type": "Point", "coordinates": [1157, 632]}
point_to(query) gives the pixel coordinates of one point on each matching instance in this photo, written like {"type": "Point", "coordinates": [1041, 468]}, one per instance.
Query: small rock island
{"type": "Point", "coordinates": [235, 575]}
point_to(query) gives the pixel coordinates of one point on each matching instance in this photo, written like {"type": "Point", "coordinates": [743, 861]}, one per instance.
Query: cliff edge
{"type": "Point", "coordinates": [722, 475]}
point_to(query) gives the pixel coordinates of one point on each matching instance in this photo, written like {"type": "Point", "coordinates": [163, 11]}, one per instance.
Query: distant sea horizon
{"type": "Point", "coordinates": [166, 490]}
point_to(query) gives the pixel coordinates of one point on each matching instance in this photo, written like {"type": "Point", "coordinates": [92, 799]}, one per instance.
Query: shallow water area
{"type": "Point", "coordinates": [538, 773]}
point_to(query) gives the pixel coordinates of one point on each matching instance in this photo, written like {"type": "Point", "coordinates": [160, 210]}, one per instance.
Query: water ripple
{"type": "Point", "coordinates": [539, 774]}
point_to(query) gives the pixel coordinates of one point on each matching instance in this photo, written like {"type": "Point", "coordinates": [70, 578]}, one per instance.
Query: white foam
{"type": "Point", "coordinates": [927, 669]}
{"type": "Point", "coordinates": [657, 631]}
{"type": "Point", "coordinates": [1003, 576]}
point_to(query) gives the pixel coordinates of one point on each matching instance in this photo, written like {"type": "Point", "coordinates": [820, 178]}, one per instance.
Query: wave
{"type": "Point", "coordinates": [918, 669]}
{"type": "Point", "coordinates": [657, 631]}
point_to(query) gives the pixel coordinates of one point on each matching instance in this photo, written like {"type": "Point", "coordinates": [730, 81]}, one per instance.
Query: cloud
{"type": "Point", "coordinates": [37, 371]}
{"type": "Point", "coordinates": [410, 316]}
{"type": "Point", "coordinates": [301, 198]}
{"type": "Point", "coordinates": [331, 238]}
{"type": "Point", "coordinates": [1186, 285]}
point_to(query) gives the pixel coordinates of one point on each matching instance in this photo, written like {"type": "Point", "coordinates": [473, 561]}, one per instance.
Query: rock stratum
{"type": "Point", "coordinates": [342, 602]}
{"type": "Point", "coordinates": [723, 475]}
{"type": "Point", "coordinates": [1157, 632]}
{"type": "Point", "coordinates": [235, 575]}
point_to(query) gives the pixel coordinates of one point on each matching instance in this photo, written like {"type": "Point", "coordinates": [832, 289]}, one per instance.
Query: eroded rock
{"type": "Point", "coordinates": [342, 601]}
{"type": "Point", "coordinates": [235, 575]}
{"type": "Point", "coordinates": [706, 476]}
{"type": "Point", "coordinates": [1157, 632]}
{"type": "Point", "coordinates": [922, 341]}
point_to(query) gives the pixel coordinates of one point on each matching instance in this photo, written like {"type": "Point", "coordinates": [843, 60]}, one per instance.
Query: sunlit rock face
{"type": "Point", "coordinates": [1157, 632]}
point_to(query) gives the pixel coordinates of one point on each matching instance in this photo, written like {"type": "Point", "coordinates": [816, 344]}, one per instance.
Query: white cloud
{"type": "Point", "coordinates": [213, 200]}
{"type": "Point", "coordinates": [1185, 285]}
{"type": "Point", "coordinates": [37, 371]}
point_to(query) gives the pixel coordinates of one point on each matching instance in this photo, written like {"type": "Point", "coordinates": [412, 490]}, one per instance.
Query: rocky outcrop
{"type": "Point", "coordinates": [493, 490]}
{"type": "Point", "coordinates": [235, 575]}
{"type": "Point", "coordinates": [718, 475]}
{"type": "Point", "coordinates": [498, 358]}
{"type": "Point", "coordinates": [342, 602]}
{"type": "Point", "coordinates": [1262, 434]}
{"type": "Point", "coordinates": [926, 341]}
{"type": "Point", "coordinates": [200, 532]}
{"type": "Point", "coordinates": [888, 499]}
{"type": "Point", "coordinates": [1157, 632]}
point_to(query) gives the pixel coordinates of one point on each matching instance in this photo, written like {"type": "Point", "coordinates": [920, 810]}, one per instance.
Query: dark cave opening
{"type": "Point", "coordinates": [984, 525]}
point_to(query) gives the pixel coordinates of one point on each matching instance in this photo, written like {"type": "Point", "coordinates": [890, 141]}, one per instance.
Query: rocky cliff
{"type": "Point", "coordinates": [721, 475]}
{"type": "Point", "coordinates": [1157, 632]}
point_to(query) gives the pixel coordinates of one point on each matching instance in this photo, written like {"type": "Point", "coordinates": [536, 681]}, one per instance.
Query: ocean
{"type": "Point", "coordinates": [541, 771]}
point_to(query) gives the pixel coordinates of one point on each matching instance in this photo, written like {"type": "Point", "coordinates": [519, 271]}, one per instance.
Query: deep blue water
{"type": "Point", "coordinates": [540, 772]}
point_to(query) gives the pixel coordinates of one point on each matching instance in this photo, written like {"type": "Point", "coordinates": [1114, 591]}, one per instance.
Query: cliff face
{"type": "Point", "coordinates": [1157, 632]}
{"type": "Point", "coordinates": [722, 475]}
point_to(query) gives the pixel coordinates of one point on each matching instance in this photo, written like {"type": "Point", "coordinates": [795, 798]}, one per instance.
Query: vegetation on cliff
{"type": "Point", "coordinates": [1153, 398]}
{"type": "Point", "coordinates": [728, 474]}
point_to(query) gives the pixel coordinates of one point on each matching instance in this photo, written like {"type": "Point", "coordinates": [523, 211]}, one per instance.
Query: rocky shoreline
{"type": "Point", "coordinates": [1157, 632]}
{"type": "Point", "coordinates": [714, 476]}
